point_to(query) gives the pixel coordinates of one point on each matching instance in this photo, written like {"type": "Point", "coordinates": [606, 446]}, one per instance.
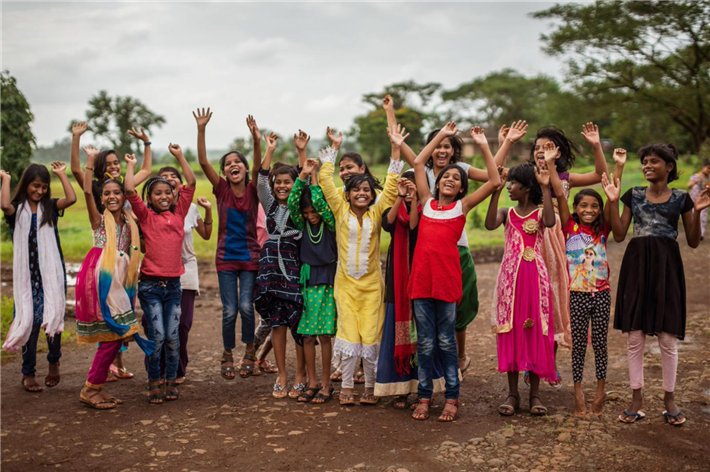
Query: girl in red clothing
{"type": "Point", "coordinates": [436, 257]}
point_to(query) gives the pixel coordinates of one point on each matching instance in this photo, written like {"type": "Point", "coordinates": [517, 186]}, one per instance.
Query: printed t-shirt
{"type": "Point", "coordinates": [586, 257]}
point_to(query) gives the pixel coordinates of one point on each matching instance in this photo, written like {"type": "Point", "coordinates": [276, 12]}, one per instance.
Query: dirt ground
{"type": "Point", "coordinates": [237, 426]}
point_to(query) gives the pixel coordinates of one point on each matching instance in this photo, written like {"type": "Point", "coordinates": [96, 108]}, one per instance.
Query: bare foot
{"type": "Point", "coordinates": [580, 406]}
{"type": "Point", "coordinates": [598, 403]}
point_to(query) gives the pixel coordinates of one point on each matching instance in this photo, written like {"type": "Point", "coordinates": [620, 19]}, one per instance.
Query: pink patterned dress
{"type": "Point", "coordinates": [522, 304]}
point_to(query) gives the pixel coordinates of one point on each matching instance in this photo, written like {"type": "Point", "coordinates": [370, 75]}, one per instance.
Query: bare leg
{"type": "Point", "coordinates": [464, 360]}
{"type": "Point", "coordinates": [278, 338]}
{"type": "Point", "coordinates": [326, 352]}
{"type": "Point", "coordinates": [580, 407]}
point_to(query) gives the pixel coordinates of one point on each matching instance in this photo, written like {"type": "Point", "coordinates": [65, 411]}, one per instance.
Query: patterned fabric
{"type": "Point", "coordinates": [656, 219]}
{"type": "Point", "coordinates": [319, 314]}
{"type": "Point", "coordinates": [594, 306]}
{"type": "Point", "coordinates": [554, 256]}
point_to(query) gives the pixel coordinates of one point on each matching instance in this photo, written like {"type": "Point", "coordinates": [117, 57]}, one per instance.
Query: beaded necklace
{"type": "Point", "coordinates": [316, 238]}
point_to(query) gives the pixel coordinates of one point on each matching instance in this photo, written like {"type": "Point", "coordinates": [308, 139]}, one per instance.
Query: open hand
{"type": "Point", "coordinates": [58, 167]}
{"type": "Point", "coordinates": [502, 134]}
{"type": "Point", "coordinates": [517, 130]}
{"type": "Point", "coordinates": [204, 203]}
{"type": "Point", "coordinates": [202, 117]}
{"type": "Point", "coordinates": [77, 129]}
{"type": "Point", "coordinates": [590, 131]}
{"type": "Point", "coordinates": [612, 187]}
{"type": "Point", "coordinates": [397, 135]}
{"type": "Point", "coordinates": [175, 149]}
{"type": "Point", "coordinates": [552, 152]}
{"type": "Point", "coordinates": [479, 136]}
{"type": "Point", "coordinates": [301, 140]}
{"type": "Point", "coordinates": [503, 173]}
{"type": "Point", "coordinates": [619, 156]}
{"type": "Point", "coordinates": [271, 139]}
{"type": "Point", "coordinates": [131, 159]}
{"type": "Point", "coordinates": [309, 166]}
{"type": "Point", "coordinates": [388, 103]}
{"type": "Point", "coordinates": [253, 128]}
{"type": "Point", "coordinates": [703, 200]}
{"type": "Point", "coordinates": [542, 175]}
{"type": "Point", "coordinates": [91, 151]}
{"type": "Point", "coordinates": [335, 141]}
{"type": "Point", "coordinates": [449, 130]}
{"type": "Point", "coordinates": [142, 135]}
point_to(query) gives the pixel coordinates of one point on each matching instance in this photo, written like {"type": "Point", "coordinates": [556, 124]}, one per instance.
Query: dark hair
{"type": "Point", "coordinates": [464, 182]}
{"type": "Point", "coordinates": [97, 196]}
{"type": "Point", "coordinates": [241, 157]}
{"type": "Point", "coordinates": [100, 176]}
{"type": "Point", "coordinates": [588, 192]}
{"type": "Point", "coordinates": [667, 152]}
{"type": "Point", "coordinates": [456, 144]}
{"type": "Point", "coordinates": [32, 172]}
{"type": "Point", "coordinates": [148, 190]}
{"type": "Point", "coordinates": [306, 199]}
{"type": "Point", "coordinates": [171, 169]}
{"type": "Point", "coordinates": [706, 162]}
{"type": "Point", "coordinates": [280, 168]}
{"type": "Point", "coordinates": [357, 180]}
{"type": "Point", "coordinates": [360, 162]}
{"type": "Point", "coordinates": [524, 174]}
{"type": "Point", "coordinates": [409, 174]}
{"type": "Point", "coordinates": [568, 148]}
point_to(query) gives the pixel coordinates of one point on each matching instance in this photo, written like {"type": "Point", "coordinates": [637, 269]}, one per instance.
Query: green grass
{"type": "Point", "coordinates": [76, 237]}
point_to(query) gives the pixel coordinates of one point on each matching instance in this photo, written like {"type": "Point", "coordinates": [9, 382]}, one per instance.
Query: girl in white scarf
{"type": "Point", "coordinates": [39, 286]}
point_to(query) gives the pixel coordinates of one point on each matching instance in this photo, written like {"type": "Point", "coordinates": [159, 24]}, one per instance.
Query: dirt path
{"type": "Point", "coordinates": [236, 425]}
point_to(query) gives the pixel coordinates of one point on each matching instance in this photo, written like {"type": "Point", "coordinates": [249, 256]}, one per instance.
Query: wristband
{"type": "Point", "coordinates": [208, 223]}
{"type": "Point", "coordinates": [147, 143]}
{"type": "Point", "coordinates": [402, 196]}
{"type": "Point", "coordinates": [89, 168]}
{"type": "Point", "coordinates": [512, 141]}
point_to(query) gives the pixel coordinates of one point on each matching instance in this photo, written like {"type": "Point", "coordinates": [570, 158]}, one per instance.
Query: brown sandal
{"type": "Point", "coordinates": [36, 388]}
{"type": "Point", "coordinates": [421, 412]}
{"type": "Point", "coordinates": [95, 399]}
{"type": "Point", "coordinates": [446, 416]}
{"type": "Point", "coordinates": [52, 380]}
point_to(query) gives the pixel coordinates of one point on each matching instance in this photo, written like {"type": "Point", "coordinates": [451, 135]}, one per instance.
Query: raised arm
{"type": "Point", "coordinates": [401, 194]}
{"type": "Point", "coordinates": [414, 205]}
{"type": "Point", "coordinates": [493, 179]}
{"type": "Point", "coordinates": [619, 225]}
{"type": "Point", "coordinates": [506, 138]}
{"type": "Point", "coordinates": [204, 227]}
{"type": "Point", "coordinates": [389, 193]}
{"type": "Point", "coordinates": [407, 154]}
{"type": "Point", "coordinates": [256, 140]}
{"type": "Point", "coordinates": [420, 174]}
{"type": "Point", "coordinates": [147, 165]}
{"type": "Point", "coordinates": [176, 151]}
{"type": "Point", "coordinates": [5, 199]}
{"type": "Point", "coordinates": [271, 140]}
{"type": "Point", "coordinates": [294, 200]}
{"type": "Point", "coordinates": [590, 131]}
{"type": "Point", "coordinates": [548, 210]}
{"type": "Point", "coordinates": [691, 219]}
{"type": "Point", "coordinates": [496, 216]}
{"type": "Point", "coordinates": [325, 178]}
{"type": "Point", "coordinates": [130, 181]}
{"type": "Point", "coordinates": [551, 152]}
{"type": "Point", "coordinates": [77, 129]}
{"type": "Point", "coordinates": [59, 169]}
{"type": "Point", "coordinates": [620, 161]}
{"type": "Point", "coordinates": [202, 117]}
{"type": "Point", "coordinates": [94, 214]}
{"type": "Point", "coordinates": [301, 141]}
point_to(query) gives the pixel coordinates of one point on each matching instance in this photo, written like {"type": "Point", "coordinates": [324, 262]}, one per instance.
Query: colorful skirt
{"type": "Point", "coordinates": [467, 309]}
{"type": "Point", "coordinates": [388, 382]}
{"type": "Point", "coordinates": [527, 349]}
{"type": "Point", "coordinates": [90, 324]}
{"type": "Point", "coordinates": [319, 314]}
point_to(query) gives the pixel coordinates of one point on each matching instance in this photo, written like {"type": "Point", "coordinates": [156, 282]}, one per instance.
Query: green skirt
{"type": "Point", "coordinates": [467, 310]}
{"type": "Point", "coordinates": [319, 314]}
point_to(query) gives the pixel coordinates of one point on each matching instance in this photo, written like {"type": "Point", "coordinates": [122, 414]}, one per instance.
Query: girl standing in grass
{"type": "Point", "coordinates": [38, 277]}
{"type": "Point", "coordinates": [162, 220]}
{"type": "Point", "coordinates": [651, 298]}
{"type": "Point", "coordinates": [319, 253]}
{"type": "Point", "coordinates": [522, 308]}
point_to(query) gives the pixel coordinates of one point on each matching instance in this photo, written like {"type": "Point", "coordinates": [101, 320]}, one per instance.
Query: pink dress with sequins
{"type": "Point", "coordinates": [522, 304]}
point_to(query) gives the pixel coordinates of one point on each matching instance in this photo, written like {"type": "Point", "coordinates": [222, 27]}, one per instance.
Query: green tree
{"type": "Point", "coordinates": [16, 137]}
{"type": "Point", "coordinates": [111, 117]}
{"type": "Point", "coordinates": [652, 54]}
{"type": "Point", "coordinates": [242, 145]}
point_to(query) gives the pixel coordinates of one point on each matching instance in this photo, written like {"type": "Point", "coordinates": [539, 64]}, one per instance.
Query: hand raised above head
{"type": "Point", "coordinates": [387, 102]}
{"type": "Point", "coordinates": [503, 173]}
{"type": "Point", "coordinates": [619, 156]}
{"type": "Point", "coordinates": [517, 130]}
{"type": "Point", "coordinates": [142, 135]}
{"type": "Point", "coordinates": [58, 167]}
{"type": "Point", "coordinates": [91, 151]}
{"type": "Point", "coordinates": [611, 187]}
{"type": "Point", "coordinates": [397, 135]}
{"type": "Point", "coordinates": [552, 152]}
{"type": "Point", "coordinates": [5, 176]}
{"type": "Point", "coordinates": [130, 159]}
{"type": "Point", "coordinates": [203, 202]}
{"type": "Point", "coordinates": [309, 166]}
{"type": "Point", "coordinates": [79, 128]}
{"type": "Point", "coordinates": [175, 149]}
{"type": "Point", "coordinates": [590, 131]}
{"type": "Point", "coordinates": [479, 135]}
{"type": "Point", "coordinates": [253, 128]}
{"type": "Point", "coordinates": [449, 130]}
{"type": "Point", "coordinates": [542, 175]}
{"type": "Point", "coordinates": [202, 117]}
{"type": "Point", "coordinates": [301, 140]}
{"type": "Point", "coordinates": [335, 140]}
{"type": "Point", "coordinates": [271, 139]}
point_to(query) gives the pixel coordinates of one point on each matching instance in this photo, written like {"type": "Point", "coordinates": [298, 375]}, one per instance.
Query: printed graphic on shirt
{"type": "Point", "coordinates": [586, 259]}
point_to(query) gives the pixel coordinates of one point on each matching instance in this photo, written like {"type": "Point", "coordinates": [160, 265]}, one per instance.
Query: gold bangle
{"type": "Point", "coordinates": [208, 223]}
{"type": "Point", "coordinates": [511, 140]}
{"type": "Point", "coordinates": [89, 168]}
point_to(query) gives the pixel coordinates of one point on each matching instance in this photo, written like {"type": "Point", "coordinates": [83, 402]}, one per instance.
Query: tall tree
{"type": "Point", "coordinates": [111, 117]}
{"type": "Point", "coordinates": [16, 137]}
{"type": "Point", "coordinates": [653, 53]}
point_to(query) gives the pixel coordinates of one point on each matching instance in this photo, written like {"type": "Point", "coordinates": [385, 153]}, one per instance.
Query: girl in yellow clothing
{"type": "Point", "coordinates": [359, 286]}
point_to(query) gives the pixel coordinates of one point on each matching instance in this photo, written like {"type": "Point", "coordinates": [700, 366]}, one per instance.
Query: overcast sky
{"type": "Point", "coordinates": [296, 65]}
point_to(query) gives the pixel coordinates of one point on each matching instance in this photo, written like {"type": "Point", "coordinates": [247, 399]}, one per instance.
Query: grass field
{"type": "Point", "coordinates": [76, 235]}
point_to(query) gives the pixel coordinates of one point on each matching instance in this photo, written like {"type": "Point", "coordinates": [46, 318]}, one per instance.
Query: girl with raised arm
{"type": "Point", "coordinates": [106, 285]}
{"type": "Point", "coordinates": [651, 297]}
{"type": "Point", "coordinates": [359, 287]}
{"type": "Point", "coordinates": [435, 284]}
{"type": "Point", "coordinates": [162, 220]}
{"type": "Point", "coordinates": [38, 276]}
{"type": "Point", "coordinates": [238, 247]}
{"type": "Point", "coordinates": [449, 152]}
{"type": "Point", "coordinates": [522, 309]}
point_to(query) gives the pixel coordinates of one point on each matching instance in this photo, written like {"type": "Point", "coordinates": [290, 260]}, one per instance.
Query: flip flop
{"type": "Point", "coordinates": [674, 421]}
{"type": "Point", "coordinates": [369, 399]}
{"type": "Point", "coordinates": [323, 398]}
{"type": "Point", "coordinates": [631, 417]}
{"type": "Point", "coordinates": [346, 400]}
{"type": "Point", "coordinates": [466, 367]}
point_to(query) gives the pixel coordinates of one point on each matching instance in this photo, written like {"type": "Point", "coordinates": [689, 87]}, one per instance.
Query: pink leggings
{"type": "Point", "coordinates": [105, 354]}
{"type": "Point", "coordinates": [669, 359]}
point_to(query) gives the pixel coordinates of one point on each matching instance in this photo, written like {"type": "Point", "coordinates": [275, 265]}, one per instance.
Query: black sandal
{"type": "Point", "coordinates": [247, 370]}
{"type": "Point", "coordinates": [156, 398]}
{"type": "Point", "coordinates": [308, 394]}
{"type": "Point", "coordinates": [171, 390]}
{"type": "Point", "coordinates": [401, 402]}
{"type": "Point", "coordinates": [227, 369]}
{"type": "Point", "coordinates": [323, 398]}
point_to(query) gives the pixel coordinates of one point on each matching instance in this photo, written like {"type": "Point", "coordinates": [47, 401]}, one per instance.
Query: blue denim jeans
{"type": "Point", "coordinates": [237, 285]}
{"type": "Point", "coordinates": [161, 307]}
{"type": "Point", "coordinates": [436, 322]}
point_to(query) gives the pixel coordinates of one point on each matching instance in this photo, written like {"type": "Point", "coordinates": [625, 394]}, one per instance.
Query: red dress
{"type": "Point", "coordinates": [436, 270]}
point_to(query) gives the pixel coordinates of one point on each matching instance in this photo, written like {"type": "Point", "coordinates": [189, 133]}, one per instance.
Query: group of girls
{"type": "Point", "coordinates": [305, 255]}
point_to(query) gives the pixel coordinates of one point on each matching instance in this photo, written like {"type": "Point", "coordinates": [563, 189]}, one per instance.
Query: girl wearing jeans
{"type": "Point", "coordinates": [436, 258]}
{"type": "Point", "coordinates": [162, 221]}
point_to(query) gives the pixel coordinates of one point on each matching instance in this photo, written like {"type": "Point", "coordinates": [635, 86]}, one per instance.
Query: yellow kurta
{"type": "Point", "coordinates": [359, 285]}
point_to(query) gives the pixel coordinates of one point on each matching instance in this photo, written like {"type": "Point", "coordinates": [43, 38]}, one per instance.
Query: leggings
{"type": "Point", "coordinates": [349, 364]}
{"type": "Point", "coordinates": [586, 306]}
{"type": "Point", "coordinates": [105, 354]}
{"type": "Point", "coordinates": [669, 359]}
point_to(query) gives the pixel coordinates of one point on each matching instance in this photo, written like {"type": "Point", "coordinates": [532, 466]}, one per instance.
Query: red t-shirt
{"type": "Point", "coordinates": [163, 234]}
{"type": "Point", "coordinates": [238, 243]}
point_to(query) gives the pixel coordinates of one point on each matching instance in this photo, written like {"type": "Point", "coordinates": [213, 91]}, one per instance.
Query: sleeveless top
{"type": "Point", "coordinates": [123, 235]}
{"type": "Point", "coordinates": [436, 270]}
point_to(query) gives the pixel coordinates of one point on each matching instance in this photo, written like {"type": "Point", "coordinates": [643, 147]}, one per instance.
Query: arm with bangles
{"type": "Point", "coordinates": [147, 165]}
{"type": "Point", "coordinates": [389, 193]}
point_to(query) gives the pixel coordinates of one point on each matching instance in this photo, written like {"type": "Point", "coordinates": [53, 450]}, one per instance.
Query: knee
{"type": "Point", "coordinates": [247, 310]}
{"type": "Point", "coordinates": [425, 345]}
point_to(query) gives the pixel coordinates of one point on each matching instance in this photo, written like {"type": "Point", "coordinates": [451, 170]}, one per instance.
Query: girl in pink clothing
{"type": "Point", "coordinates": [522, 305]}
